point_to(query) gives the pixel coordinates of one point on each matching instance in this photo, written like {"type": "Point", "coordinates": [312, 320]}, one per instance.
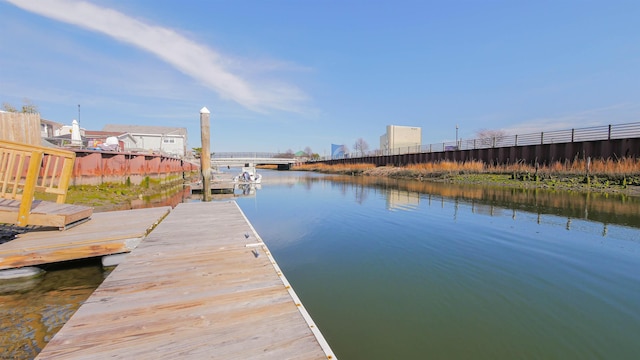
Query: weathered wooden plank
{"type": "Point", "coordinates": [58, 215]}
{"type": "Point", "coordinates": [27, 169]}
{"type": "Point", "coordinates": [20, 127]}
{"type": "Point", "coordinates": [107, 233]}
{"type": "Point", "coordinates": [191, 290]}
{"type": "Point", "coordinates": [45, 213]}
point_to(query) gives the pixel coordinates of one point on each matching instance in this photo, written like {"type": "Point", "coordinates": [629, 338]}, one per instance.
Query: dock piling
{"type": "Point", "coordinates": [205, 154]}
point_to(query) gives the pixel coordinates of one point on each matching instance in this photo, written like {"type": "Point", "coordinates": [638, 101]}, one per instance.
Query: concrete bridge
{"type": "Point", "coordinates": [251, 159]}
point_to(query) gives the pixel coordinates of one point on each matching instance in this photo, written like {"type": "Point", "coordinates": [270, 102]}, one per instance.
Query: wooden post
{"type": "Point", "coordinates": [29, 185]}
{"type": "Point", "coordinates": [205, 154]}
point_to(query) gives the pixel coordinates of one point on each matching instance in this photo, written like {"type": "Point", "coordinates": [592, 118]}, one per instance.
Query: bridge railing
{"type": "Point", "coordinates": [246, 155]}
{"type": "Point", "coordinates": [604, 132]}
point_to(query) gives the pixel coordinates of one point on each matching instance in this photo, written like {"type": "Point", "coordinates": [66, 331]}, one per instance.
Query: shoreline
{"type": "Point", "coordinates": [111, 196]}
{"type": "Point", "coordinates": [543, 180]}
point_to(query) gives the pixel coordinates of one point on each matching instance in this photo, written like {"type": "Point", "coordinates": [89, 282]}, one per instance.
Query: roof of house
{"type": "Point", "coordinates": [103, 133]}
{"type": "Point", "coordinates": [52, 123]}
{"type": "Point", "coordinates": [142, 129]}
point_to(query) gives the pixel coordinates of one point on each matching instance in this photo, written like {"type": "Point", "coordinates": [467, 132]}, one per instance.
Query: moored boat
{"type": "Point", "coordinates": [248, 175]}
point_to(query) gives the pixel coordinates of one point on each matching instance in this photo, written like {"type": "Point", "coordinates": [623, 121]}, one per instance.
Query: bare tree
{"type": "Point", "coordinates": [285, 155]}
{"type": "Point", "coordinates": [27, 107]}
{"type": "Point", "coordinates": [8, 107]}
{"type": "Point", "coordinates": [308, 151]}
{"type": "Point", "coordinates": [360, 146]}
{"type": "Point", "coordinates": [289, 154]}
{"type": "Point", "coordinates": [345, 151]}
{"type": "Point", "coordinates": [490, 138]}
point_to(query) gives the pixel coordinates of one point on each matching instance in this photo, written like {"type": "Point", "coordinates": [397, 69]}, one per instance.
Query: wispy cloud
{"type": "Point", "coordinates": [613, 114]}
{"type": "Point", "coordinates": [189, 57]}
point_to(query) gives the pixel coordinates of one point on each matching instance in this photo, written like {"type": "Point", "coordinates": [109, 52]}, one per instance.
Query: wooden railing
{"type": "Point", "coordinates": [29, 169]}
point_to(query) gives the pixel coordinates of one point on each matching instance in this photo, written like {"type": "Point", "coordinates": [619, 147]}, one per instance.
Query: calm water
{"type": "Point", "coordinates": [407, 270]}
{"type": "Point", "coordinates": [32, 311]}
{"type": "Point", "coordinates": [397, 270]}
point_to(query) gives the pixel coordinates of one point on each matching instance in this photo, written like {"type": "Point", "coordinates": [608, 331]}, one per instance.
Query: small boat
{"type": "Point", "coordinates": [248, 176]}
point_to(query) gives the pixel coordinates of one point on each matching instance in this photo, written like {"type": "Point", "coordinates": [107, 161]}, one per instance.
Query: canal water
{"type": "Point", "coordinates": [407, 270]}
{"type": "Point", "coordinates": [32, 311]}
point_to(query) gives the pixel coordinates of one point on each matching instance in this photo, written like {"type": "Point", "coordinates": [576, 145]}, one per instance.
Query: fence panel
{"type": "Point", "coordinates": [605, 132]}
{"type": "Point", "coordinates": [20, 127]}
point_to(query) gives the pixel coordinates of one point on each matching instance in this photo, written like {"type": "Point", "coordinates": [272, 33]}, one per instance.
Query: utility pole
{"type": "Point", "coordinates": [456, 136]}
{"type": "Point", "coordinates": [205, 155]}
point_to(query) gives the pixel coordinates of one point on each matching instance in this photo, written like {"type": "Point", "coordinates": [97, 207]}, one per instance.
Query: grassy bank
{"type": "Point", "coordinates": [110, 196]}
{"type": "Point", "coordinates": [599, 175]}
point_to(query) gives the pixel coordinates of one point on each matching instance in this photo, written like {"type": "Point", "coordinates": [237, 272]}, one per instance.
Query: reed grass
{"type": "Point", "coordinates": [338, 168]}
{"type": "Point", "coordinates": [606, 167]}
{"type": "Point", "coordinates": [624, 171]}
{"type": "Point", "coordinates": [448, 166]}
{"type": "Point", "coordinates": [617, 167]}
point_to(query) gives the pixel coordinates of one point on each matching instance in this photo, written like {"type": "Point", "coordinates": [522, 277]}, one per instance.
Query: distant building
{"type": "Point", "coordinates": [338, 151]}
{"type": "Point", "coordinates": [49, 128]}
{"type": "Point", "coordinates": [63, 130]}
{"type": "Point", "coordinates": [301, 156]}
{"type": "Point", "coordinates": [162, 139]}
{"type": "Point", "coordinates": [400, 140]}
{"type": "Point", "coordinates": [98, 139]}
{"type": "Point", "coordinates": [60, 134]}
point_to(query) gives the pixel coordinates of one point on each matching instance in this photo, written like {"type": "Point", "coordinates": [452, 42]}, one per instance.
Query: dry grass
{"type": "Point", "coordinates": [618, 169]}
{"type": "Point", "coordinates": [608, 167]}
{"type": "Point", "coordinates": [339, 168]}
{"type": "Point", "coordinates": [448, 166]}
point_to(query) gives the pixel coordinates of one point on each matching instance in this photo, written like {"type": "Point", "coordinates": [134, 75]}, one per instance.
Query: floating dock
{"type": "Point", "coordinates": [201, 285]}
{"type": "Point", "coordinates": [106, 233]}
{"type": "Point", "coordinates": [221, 183]}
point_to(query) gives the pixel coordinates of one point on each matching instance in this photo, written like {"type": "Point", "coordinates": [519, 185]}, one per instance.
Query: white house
{"type": "Point", "coordinates": [162, 139]}
{"type": "Point", "coordinates": [49, 128]}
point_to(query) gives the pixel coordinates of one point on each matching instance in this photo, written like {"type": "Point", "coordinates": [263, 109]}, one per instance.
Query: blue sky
{"type": "Point", "coordinates": [290, 74]}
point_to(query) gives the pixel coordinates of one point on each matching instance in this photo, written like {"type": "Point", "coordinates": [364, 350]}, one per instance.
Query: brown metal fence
{"type": "Point", "coordinates": [605, 132]}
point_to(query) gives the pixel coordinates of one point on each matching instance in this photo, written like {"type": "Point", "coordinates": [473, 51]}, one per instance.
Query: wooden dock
{"type": "Point", "coordinates": [105, 234]}
{"type": "Point", "coordinates": [45, 213]}
{"type": "Point", "coordinates": [201, 285]}
{"type": "Point", "coordinates": [216, 187]}
{"type": "Point", "coordinates": [220, 183]}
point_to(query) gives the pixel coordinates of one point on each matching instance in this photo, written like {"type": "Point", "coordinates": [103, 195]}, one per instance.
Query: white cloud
{"type": "Point", "coordinates": [189, 57]}
{"type": "Point", "coordinates": [621, 113]}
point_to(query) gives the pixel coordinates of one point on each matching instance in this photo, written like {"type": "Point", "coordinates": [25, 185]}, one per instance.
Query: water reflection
{"type": "Point", "coordinates": [171, 196]}
{"type": "Point", "coordinates": [492, 200]}
{"type": "Point", "coordinates": [33, 310]}
{"type": "Point", "coordinates": [407, 270]}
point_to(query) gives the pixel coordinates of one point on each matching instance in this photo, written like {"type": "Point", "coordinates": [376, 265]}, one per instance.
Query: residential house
{"type": "Point", "coordinates": [161, 139]}
{"type": "Point", "coordinates": [49, 128]}
{"type": "Point", "coordinates": [301, 156]}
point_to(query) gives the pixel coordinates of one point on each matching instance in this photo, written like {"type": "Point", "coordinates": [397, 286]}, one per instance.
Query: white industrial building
{"type": "Point", "coordinates": [401, 140]}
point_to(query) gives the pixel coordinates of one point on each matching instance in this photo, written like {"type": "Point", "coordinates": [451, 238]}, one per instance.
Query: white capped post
{"type": "Point", "coordinates": [205, 154]}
